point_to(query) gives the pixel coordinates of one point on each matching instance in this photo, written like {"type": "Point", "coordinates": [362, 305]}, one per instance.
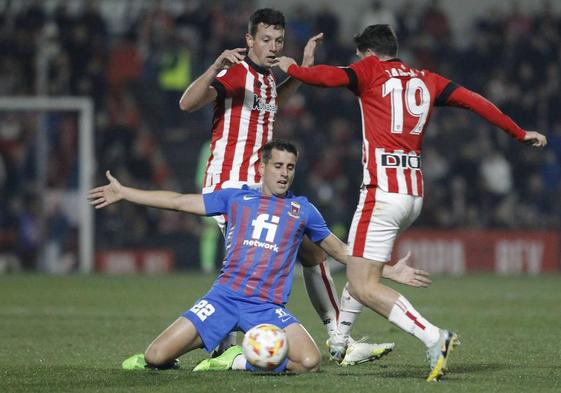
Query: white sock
{"type": "Point", "coordinates": [322, 293]}
{"type": "Point", "coordinates": [407, 318]}
{"type": "Point", "coordinates": [239, 362]}
{"type": "Point", "coordinates": [350, 311]}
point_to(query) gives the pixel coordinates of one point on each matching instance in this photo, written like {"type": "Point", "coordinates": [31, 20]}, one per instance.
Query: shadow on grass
{"type": "Point", "coordinates": [475, 368]}
{"type": "Point", "coordinates": [416, 371]}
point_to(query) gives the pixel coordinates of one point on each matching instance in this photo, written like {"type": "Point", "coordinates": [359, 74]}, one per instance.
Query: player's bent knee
{"type": "Point", "coordinates": [363, 292]}
{"type": "Point", "coordinates": [355, 290]}
{"type": "Point", "coordinates": [154, 356]}
{"type": "Point", "coordinates": [311, 361]}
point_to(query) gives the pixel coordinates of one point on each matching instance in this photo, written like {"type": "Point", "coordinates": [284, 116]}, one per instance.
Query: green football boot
{"type": "Point", "coordinates": [222, 362]}
{"type": "Point", "coordinates": [135, 362]}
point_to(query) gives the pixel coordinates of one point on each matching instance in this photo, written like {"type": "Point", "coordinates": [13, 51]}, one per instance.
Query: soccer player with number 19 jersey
{"type": "Point", "coordinates": [396, 102]}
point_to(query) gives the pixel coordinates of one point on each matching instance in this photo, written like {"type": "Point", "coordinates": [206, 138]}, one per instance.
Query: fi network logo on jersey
{"type": "Point", "coordinates": [264, 223]}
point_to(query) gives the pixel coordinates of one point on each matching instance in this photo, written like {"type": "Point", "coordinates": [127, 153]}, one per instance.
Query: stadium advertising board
{"type": "Point", "coordinates": [137, 261]}
{"type": "Point", "coordinates": [502, 252]}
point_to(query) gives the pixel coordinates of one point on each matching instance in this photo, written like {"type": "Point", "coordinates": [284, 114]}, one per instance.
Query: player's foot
{"type": "Point", "coordinates": [360, 352]}
{"type": "Point", "coordinates": [135, 362]}
{"type": "Point", "coordinates": [337, 344]}
{"type": "Point", "coordinates": [438, 354]}
{"type": "Point", "coordinates": [222, 362]}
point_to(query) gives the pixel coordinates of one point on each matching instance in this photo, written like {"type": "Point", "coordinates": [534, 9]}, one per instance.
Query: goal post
{"type": "Point", "coordinates": [84, 107]}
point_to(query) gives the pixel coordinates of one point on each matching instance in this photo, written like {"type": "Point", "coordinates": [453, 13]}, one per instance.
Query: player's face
{"type": "Point", "coordinates": [266, 45]}
{"type": "Point", "coordinates": [277, 174]}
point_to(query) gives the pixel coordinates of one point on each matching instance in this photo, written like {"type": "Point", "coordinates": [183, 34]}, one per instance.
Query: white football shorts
{"type": "Point", "coordinates": [379, 218]}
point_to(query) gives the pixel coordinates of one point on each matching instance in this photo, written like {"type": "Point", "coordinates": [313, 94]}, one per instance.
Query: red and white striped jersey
{"type": "Point", "coordinates": [244, 113]}
{"type": "Point", "coordinates": [396, 103]}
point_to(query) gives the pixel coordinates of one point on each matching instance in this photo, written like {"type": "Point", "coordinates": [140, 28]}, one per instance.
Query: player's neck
{"type": "Point", "coordinates": [253, 61]}
{"type": "Point", "coordinates": [268, 193]}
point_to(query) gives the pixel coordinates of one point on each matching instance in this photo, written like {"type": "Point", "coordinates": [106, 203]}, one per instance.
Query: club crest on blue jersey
{"type": "Point", "coordinates": [294, 210]}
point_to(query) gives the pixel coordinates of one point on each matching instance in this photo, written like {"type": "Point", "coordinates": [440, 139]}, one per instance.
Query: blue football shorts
{"type": "Point", "coordinates": [221, 311]}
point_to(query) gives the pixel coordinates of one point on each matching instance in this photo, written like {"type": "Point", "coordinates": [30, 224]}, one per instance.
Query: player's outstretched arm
{"type": "Point", "coordinates": [465, 98]}
{"type": "Point", "coordinates": [402, 273]}
{"type": "Point", "coordinates": [289, 86]}
{"type": "Point", "coordinates": [321, 75]}
{"type": "Point", "coordinates": [200, 92]}
{"type": "Point", "coordinates": [113, 192]}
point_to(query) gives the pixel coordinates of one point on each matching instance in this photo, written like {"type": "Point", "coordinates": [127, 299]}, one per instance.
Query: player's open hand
{"type": "Point", "coordinates": [535, 139]}
{"type": "Point", "coordinates": [284, 62]}
{"type": "Point", "coordinates": [310, 50]}
{"type": "Point", "coordinates": [229, 57]}
{"type": "Point", "coordinates": [106, 195]}
{"type": "Point", "coordinates": [402, 273]}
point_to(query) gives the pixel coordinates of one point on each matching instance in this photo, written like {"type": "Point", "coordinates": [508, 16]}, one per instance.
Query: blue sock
{"type": "Point", "coordinates": [280, 368]}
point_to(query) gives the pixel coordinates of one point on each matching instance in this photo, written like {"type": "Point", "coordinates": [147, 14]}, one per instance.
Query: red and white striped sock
{"type": "Point", "coordinates": [323, 294]}
{"type": "Point", "coordinates": [407, 318]}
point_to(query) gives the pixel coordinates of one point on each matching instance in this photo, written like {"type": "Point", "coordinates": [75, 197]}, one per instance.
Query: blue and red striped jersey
{"type": "Point", "coordinates": [262, 240]}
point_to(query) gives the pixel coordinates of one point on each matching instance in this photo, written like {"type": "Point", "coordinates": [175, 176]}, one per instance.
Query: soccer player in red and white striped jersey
{"type": "Point", "coordinates": [396, 102]}
{"type": "Point", "coordinates": [246, 100]}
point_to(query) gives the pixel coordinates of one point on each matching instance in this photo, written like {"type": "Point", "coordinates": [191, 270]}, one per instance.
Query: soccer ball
{"type": "Point", "coordinates": [265, 346]}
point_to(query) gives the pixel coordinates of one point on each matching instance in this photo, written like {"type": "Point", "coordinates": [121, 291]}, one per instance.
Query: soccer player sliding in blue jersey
{"type": "Point", "coordinates": [265, 229]}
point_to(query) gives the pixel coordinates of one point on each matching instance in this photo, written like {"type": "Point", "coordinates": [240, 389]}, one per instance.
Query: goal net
{"type": "Point", "coordinates": [47, 160]}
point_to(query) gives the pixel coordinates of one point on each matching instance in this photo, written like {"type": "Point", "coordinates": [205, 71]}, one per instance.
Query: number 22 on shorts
{"type": "Point", "coordinates": [203, 309]}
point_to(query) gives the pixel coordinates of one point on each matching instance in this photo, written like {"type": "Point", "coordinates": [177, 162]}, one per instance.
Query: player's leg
{"type": "Point", "coordinates": [350, 310]}
{"type": "Point", "coordinates": [364, 284]}
{"type": "Point", "coordinates": [342, 347]}
{"type": "Point", "coordinates": [303, 353]}
{"type": "Point", "coordinates": [379, 218]}
{"type": "Point", "coordinates": [177, 339]}
{"type": "Point", "coordinates": [323, 296]}
{"type": "Point", "coordinates": [319, 284]}
{"type": "Point", "coordinates": [202, 326]}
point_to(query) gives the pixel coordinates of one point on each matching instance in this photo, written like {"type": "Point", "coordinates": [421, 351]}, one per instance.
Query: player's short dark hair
{"type": "Point", "coordinates": [381, 39]}
{"type": "Point", "coordinates": [267, 16]}
{"type": "Point", "coordinates": [278, 144]}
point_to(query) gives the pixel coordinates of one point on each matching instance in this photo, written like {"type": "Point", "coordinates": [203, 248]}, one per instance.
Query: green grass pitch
{"type": "Point", "coordinates": [65, 334]}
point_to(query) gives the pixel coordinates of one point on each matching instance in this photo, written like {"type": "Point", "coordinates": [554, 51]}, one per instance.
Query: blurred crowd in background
{"type": "Point", "coordinates": [476, 176]}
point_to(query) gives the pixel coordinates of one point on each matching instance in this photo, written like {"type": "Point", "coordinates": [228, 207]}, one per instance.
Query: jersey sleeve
{"type": "Point", "coordinates": [320, 75]}
{"type": "Point", "coordinates": [228, 81]}
{"type": "Point", "coordinates": [217, 202]}
{"type": "Point", "coordinates": [464, 98]}
{"type": "Point", "coordinates": [364, 72]}
{"type": "Point", "coordinates": [443, 88]}
{"type": "Point", "coordinates": [316, 228]}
